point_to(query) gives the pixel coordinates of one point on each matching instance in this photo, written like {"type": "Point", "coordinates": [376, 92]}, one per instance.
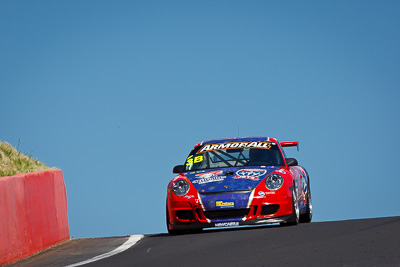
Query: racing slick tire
{"type": "Point", "coordinates": [294, 220]}
{"type": "Point", "coordinates": [307, 217]}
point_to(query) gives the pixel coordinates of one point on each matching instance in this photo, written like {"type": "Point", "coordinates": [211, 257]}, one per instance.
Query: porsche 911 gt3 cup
{"type": "Point", "coordinates": [238, 181]}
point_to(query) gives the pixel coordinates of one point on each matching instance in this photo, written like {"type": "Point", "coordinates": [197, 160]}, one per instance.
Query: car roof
{"type": "Point", "coordinates": [238, 139]}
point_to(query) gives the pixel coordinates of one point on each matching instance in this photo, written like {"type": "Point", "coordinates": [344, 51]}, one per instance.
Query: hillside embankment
{"type": "Point", "coordinates": [14, 162]}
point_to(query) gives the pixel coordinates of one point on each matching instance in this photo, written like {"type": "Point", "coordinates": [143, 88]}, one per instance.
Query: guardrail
{"type": "Point", "coordinates": [33, 214]}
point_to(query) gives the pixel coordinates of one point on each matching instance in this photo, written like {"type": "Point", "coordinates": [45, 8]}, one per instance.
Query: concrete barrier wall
{"type": "Point", "coordinates": [33, 214]}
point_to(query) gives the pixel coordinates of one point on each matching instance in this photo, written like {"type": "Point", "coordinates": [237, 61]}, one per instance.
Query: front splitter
{"type": "Point", "coordinates": [230, 223]}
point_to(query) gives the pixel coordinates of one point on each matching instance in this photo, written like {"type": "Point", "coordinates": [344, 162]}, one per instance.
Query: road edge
{"type": "Point", "coordinates": [133, 239]}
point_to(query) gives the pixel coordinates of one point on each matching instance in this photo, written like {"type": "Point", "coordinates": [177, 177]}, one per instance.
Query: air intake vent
{"type": "Point", "coordinates": [184, 214]}
{"type": "Point", "coordinates": [269, 209]}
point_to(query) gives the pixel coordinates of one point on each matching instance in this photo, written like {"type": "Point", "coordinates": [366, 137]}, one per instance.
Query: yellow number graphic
{"type": "Point", "coordinates": [198, 159]}
{"type": "Point", "coordinates": [189, 160]}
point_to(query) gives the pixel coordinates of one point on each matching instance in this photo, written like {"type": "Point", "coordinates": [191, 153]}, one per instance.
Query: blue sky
{"type": "Point", "coordinates": [115, 93]}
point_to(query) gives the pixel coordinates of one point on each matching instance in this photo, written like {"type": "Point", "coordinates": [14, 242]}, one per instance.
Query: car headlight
{"type": "Point", "coordinates": [274, 181]}
{"type": "Point", "coordinates": [180, 188]}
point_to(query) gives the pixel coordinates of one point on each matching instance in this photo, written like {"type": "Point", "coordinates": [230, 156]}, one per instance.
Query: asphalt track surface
{"type": "Point", "coordinates": [365, 242]}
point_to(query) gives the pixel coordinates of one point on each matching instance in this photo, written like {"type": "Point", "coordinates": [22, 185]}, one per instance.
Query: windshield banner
{"type": "Point", "coordinates": [212, 147]}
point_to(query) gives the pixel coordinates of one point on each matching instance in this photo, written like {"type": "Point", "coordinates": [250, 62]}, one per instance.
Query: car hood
{"type": "Point", "coordinates": [227, 188]}
{"type": "Point", "coordinates": [228, 179]}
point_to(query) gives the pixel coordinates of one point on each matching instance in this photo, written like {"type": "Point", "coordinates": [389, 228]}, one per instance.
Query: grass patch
{"type": "Point", "coordinates": [13, 162]}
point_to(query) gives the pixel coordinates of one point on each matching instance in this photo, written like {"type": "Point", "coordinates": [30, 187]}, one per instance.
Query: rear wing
{"type": "Point", "coordinates": [290, 143]}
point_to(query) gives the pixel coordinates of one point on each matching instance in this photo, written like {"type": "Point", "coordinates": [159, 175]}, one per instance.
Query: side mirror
{"type": "Point", "coordinates": [178, 169]}
{"type": "Point", "coordinates": [291, 162]}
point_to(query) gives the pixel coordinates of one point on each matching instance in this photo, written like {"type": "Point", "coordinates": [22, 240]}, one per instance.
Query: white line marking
{"type": "Point", "coordinates": [133, 239]}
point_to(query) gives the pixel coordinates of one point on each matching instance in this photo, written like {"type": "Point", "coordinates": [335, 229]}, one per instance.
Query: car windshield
{"type": "Point", "coordinates": [234, 154]}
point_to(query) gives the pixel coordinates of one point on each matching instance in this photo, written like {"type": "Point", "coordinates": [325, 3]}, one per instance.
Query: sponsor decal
{"type": "Point", "coordinates": [209, 180]}
{"type": "Point", "coordinates": [209, 174]}
{"type": "Point", "coordinates": [261, 193]}
{"type": "Point", "coordinates": [226, 224]}
{"type": "Point", "coordinates": [252, 174]}
{"type": "Point", "coordinates": [249, 144]}
{"type": "Point", "coordinates": [196, 172]}
{"type": "Point", "coordinates": [209, 177]}
{"type": "Point", "coordinates": [223, 204]}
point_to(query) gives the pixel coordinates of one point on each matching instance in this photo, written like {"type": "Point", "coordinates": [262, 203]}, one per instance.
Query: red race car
{"type": "Point", "coordinates": [238, 181]}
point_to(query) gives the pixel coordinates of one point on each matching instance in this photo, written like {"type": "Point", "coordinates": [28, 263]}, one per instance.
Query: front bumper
{"type": "Point", "coordinates": [262, 210]}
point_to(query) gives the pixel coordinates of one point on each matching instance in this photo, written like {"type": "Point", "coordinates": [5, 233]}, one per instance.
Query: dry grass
{"type": "Point", "coordinates": [13, 162]}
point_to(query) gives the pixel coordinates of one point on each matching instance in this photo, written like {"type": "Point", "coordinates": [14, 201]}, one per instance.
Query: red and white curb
{"type": "Point", "coordinates": [133, 239]}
